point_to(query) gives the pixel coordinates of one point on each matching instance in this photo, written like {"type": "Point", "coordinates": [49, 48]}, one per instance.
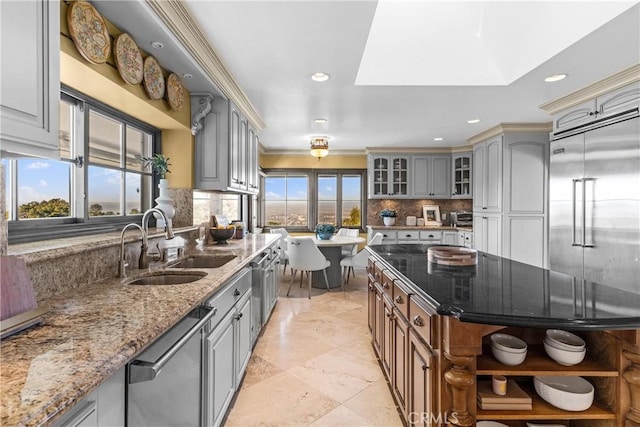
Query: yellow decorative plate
{"type": "Point", "coordinates": [128, 59]}
{"type": "Point", "coordinates": [153, 78]}
{"type": "Point", "coordinates": [175, 92]}
{"type": "Point", "coordinates": [88, 32]}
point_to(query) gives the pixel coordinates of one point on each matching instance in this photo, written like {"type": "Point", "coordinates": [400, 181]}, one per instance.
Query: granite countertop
{"type": "Point", "coordinates": [500, 291]}
{"type": "Point", "coordinates": [419, 227]}
{"type": "Point", "coordinates": [93, 331]}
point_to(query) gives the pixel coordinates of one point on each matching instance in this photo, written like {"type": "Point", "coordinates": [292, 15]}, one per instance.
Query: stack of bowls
{"type": "Point", "coordinates": [564, 347]}
{"type": "Point", "coordinates": [508, 349]}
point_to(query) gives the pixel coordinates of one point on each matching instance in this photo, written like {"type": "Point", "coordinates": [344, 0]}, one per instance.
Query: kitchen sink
{"type": "Point", "coordinates": [203, 261]}
{"type": "Point", "coordinates": [165, 277]}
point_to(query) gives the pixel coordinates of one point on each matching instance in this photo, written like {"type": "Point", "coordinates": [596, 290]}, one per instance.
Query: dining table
{"type": "Point", "coordinates": [332, 250]}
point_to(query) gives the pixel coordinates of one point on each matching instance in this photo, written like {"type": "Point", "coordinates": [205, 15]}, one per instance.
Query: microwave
{"type": "Point", "coordinates": [461, 218]}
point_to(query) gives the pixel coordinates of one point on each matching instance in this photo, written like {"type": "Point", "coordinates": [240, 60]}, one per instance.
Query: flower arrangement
{"type": "Point", "coordinates": [158, 162]}
{"type": "Point", "coordinates": [388, 213]}
{"type": "Point", "coordinates": [325, 228]}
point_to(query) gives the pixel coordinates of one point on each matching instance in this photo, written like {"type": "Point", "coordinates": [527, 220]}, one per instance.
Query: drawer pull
{"type": "Point", "coordinates": [236, 293]}
{"type": "Point", "coordinates": [408, 235]}
{"type": "Point", "coordinates": [399, 299]}
{"type": "Point", "coordinates": [425, 367]}
{"type": "Point", "coordinates": [385, 285]}
{"type": "Point", "coordinates": [417, 320]}
{"type": "Point", "coordinates": [431, 236]}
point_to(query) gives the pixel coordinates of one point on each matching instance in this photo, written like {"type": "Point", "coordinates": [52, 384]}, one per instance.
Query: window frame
{"type": "Point", "coordinates": [80, 223]}
{"type": "Point", "coordinates": [312, 209]}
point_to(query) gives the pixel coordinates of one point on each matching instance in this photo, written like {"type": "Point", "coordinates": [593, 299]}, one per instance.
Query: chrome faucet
{"type": "Point", "coordinates": [123, 259]}
{"type": "Point", "coordinates": [144, 261]}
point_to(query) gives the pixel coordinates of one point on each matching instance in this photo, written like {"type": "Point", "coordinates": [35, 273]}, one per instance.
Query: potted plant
{"type": "Point", "coordinates": [159, 164]}
{"type": "Point", "coordinates": [325, 231]}
{"type": "Point", "coordinates": [388, 216]}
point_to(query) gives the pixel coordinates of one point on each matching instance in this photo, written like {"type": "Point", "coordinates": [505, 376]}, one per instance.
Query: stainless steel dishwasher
{"type": "Point", "coordinates": [165, 385]}
{"type": "Point", "coordinates": [258, 269]}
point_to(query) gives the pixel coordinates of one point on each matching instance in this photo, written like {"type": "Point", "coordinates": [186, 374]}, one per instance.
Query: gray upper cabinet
{"type": "Point", "coordinates": [461, 178]}
{"type": "Point", "coordinates": [431, 176]}
{"type": "Point", "coordinates": [487, 175]}
{"type": "Point", "coordinates": [618, 101]}
{"type": "Point", "coordinates": [388, 176]}
{"type": "Point", "coordinates": [30, 78]}
{"type": "Point", "coordinates": [226, 154]}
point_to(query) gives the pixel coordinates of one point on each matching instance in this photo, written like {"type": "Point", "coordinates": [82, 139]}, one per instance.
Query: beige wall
{"type": "Point", "coordinates": [301, 161]}
{"type": "Point", "coordinates": [103, 82]}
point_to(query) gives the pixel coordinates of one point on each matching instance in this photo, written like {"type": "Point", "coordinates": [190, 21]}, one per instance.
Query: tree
{"type": "Point", "coordinates": [354, 217]}
{"type": "Point", "coordinates": [95, 209]}
{"type": "Point", "coordinates": [44, 209]}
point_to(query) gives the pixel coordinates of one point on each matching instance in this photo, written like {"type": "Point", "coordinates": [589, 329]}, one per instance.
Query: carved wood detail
{"type": "Point", "coordinates": [460, 379]}
{"type": "Point", "coordinates": [632, 376]}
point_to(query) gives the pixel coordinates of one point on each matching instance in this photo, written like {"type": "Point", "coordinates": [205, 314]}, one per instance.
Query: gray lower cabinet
{"type": "Point", "coordinates": [228, 347]}
{"type": "Point", "coordinates": [103, 407]}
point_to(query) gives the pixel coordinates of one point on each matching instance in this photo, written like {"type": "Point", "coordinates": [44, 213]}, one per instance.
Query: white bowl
{"type": "Point", "coordinates": [560, 346]}
{"type": "Point", "coordinates": [508, 343]}
{"type": "Point", "coordinates": [562, 356]}
{"type": "Point", "coordinates": [507, 357]}
{"type": "Point", "coordinates": [568, 393]}
{"type": "Point", "coordinates": [564, 339]}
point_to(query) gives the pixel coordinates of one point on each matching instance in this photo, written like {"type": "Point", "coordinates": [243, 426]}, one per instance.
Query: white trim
{"type": "Point", "coordinates": [510, 128]}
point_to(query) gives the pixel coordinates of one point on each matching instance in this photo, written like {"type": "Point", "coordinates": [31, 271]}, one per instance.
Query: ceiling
{"type": "Point", "coordinates": [402, 72]}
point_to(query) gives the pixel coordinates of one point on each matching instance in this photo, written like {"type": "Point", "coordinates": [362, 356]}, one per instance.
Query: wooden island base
{"type": "Point", "coordinates": [433, 363]}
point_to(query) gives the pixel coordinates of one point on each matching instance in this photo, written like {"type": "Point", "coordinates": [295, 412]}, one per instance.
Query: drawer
{"type": "Point", "coordinates": [408, 235]}
{"type": "Point", "coordinates": [226, 297]}
{"type": "Point", "coordinates": [468, 239]}
{"type": "Point", "coordinates": [401, 299]}
{"type": "Point", "coordinates": [389, 236]}
{"type": "Point", "coordinates": [430, 235]}
{"type": "Point", "coordinates": [421, 321]}
{"type": "Point", "coordinates": [387, 283]}
{"type": "Point", "coordinates": [371, 267]}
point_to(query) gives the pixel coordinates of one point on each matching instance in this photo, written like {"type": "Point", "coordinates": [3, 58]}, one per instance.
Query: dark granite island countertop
{"type": "Point", "coordinates": [500, 291]}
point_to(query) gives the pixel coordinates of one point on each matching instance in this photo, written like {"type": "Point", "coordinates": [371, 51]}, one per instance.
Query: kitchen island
{"type": "Point", "coordinates": [430, 326]}
{"type": "Point", "coordinates": [90, 333]}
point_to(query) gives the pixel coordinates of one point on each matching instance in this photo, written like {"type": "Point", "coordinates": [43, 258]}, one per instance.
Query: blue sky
{"type": "Point", "coordinates": [42, 179]}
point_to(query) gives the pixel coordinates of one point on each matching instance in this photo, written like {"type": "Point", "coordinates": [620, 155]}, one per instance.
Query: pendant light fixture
{"type": "Point", "coordinates": [319, 147]}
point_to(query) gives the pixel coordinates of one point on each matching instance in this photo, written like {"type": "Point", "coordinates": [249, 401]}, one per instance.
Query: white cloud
{"type": "Point", "coordinates": [270, 195]}
{"type": "Point", "coordinates": [27, 194]}
{"type": "Point", "coordinates": [38, 165]}
{"type": "Point", "coordinates": [43, 183]}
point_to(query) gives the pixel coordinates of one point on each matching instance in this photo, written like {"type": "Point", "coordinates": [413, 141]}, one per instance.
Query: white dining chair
{"type": "Point", "coordinates": [349, 250]}
{"type": "Point", "coordinates": [282, 246]}
{"type": "Point", "coordinates": [305, 256]}
{"type": "Point", "coordinates": [359, 260]}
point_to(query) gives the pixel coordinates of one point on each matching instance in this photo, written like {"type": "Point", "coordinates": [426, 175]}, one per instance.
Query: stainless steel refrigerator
{"type": "Point", "coordinates": [594, 203]}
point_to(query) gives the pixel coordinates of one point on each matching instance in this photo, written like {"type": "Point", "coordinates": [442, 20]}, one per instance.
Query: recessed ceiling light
{"type": "Point", "coordinates": [555, 78]}
{"type": "Point", "coordinates": [473, 121]}
{"type": "Point", "coordinates": [320, 121]}
{"type": "Point", "coordinates": [320, 77]}
{"type": "Point", "coordinates": [187, 76]}
{"type": "Point", "coordinates": [438, 139]}
{"type": "Point", "coordinates": [157, 45]}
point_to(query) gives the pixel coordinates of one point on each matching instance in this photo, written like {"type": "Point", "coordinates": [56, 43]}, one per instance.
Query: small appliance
{"type": "Point", "coordinates": [461, 219]}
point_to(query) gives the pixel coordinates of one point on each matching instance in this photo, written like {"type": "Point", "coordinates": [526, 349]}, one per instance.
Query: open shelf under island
{"type": "Point", "coordinates": [431, 325]}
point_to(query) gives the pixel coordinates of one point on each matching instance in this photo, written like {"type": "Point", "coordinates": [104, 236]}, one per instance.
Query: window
{"type": "Point", "coordinates": [98, 178]}
{"type": "Point", "coordinates": [285, 201]}
{"type": "Point", "coordinates": [301, 199]}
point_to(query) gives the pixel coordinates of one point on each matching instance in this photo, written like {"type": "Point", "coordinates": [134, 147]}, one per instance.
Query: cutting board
{"type": "Point", "coordinates": [452, 255]}
{"type": "Point", "coordinates": [16, 290]}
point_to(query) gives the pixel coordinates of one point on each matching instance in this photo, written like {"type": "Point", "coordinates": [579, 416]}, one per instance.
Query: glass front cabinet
{"type": "Point", "coordinates": [461, 176]}
{"type": "Point", "coordinates": [388, 176]}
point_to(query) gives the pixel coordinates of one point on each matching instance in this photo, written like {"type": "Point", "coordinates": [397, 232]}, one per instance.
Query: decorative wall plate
{"type": "Point", "coordinates": [88, 32]}
{"type": "Point", "coordinates": [128, 59]}
{"type": "Point", "coordinates": [175, 92]}
{"type": "Point", "coordinates": [153, 78]}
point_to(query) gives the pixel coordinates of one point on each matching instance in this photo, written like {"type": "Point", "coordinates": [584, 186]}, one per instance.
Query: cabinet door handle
{"type": "Point", "coordinates": [484, 208]}
{"type": "Point", "coordinates": [236, 293]}
{"type": "Point", "coordinates": [399, 299]}
{"type": "Point", "coordinates": [417, 320]}
{"type": "Point", "coordinates": [425, 367]}
{"type": "Point", "coordinates": [385, 285]}
{"type": "Point", "coordinates": [239, 316]}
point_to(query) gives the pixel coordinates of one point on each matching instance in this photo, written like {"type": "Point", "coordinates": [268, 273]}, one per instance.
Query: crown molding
{"type": "Point", "coordinates": [510, 128]}
{"type": "Point", "coordinates": [178, 20]}
{"type": "Point", "coordinates": [608, 84]}
{"type": "Point", "coordinates": [268, 152]}
{"type": "Point", "coordinates": [418, 150]}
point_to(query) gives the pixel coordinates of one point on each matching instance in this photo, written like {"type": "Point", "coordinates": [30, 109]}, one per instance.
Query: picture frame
{"type": "Point", "coordinates": [431, 215]}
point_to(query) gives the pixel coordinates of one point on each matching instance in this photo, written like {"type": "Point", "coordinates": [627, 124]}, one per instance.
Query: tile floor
{"type": "Point", "coordinates": [314, 365]}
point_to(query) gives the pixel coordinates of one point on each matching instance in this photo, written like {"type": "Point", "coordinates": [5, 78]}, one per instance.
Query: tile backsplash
{"type": "Point", "coordinates": [407, 207]}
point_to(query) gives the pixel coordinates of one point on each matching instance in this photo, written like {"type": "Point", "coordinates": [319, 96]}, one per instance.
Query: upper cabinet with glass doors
{"type": "Point", "coordinates": [30, 78]}
{"type": "Point", "coordinates": [461, 176]}
{"type": "Point", "coordinates": [388, 176]}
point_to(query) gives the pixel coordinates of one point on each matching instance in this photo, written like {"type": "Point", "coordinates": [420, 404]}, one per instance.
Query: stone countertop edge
{"type": "Point", "coordinates": [92, 332]}
{"type": "Point", "coordinates": [48, 249]}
